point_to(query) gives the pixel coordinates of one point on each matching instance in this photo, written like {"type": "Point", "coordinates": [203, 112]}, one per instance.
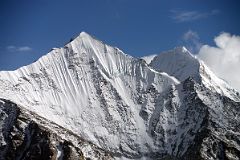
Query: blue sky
{"type": "Point", "coordinates": [30, 28]}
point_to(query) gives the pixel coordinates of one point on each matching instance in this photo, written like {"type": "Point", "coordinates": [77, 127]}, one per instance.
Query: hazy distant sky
{"type": "Point", "coordinates": [30, 28]}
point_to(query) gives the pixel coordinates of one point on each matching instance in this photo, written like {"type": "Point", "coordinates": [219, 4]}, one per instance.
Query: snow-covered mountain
{"type": "Point", "coordinates": [100, 103]}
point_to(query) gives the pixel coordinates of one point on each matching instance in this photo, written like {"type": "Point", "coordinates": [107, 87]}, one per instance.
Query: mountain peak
{"type": "Point", "coordinates": [182, 49]}
{"type": "Point", "coordinates": [84, 34]}
{"type": "Point", "coordinates": [178, 62]}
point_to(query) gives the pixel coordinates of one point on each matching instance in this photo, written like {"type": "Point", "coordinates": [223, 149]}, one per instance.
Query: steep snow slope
{"type": "Point", "coordinates": [181, 64]}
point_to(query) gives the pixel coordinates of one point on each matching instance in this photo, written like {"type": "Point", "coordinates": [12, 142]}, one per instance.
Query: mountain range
{"type": "Point", "coordinates": [89, 100]}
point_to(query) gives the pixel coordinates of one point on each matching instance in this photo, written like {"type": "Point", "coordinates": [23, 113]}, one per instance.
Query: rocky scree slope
{"type": "Point", "coordinates": [121, 107]}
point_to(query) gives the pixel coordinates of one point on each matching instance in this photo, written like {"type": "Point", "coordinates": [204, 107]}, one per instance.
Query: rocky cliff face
{"type": "Point", "coordinates": [90, 100]}
{"type": "Point", "coordinates": [26, 135]}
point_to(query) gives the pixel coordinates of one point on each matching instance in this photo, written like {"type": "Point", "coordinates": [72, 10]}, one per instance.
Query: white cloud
{"type": "Point", "coordinates": [12, 48]}
{"type": "Point", "coordinates": [25, 48]}
{"type": "Point", "coordinates": [224, 59]}
{"type": "Point", "coordinates": [186, 16]}
{"type": "Point", "coordinates": [192, 41]}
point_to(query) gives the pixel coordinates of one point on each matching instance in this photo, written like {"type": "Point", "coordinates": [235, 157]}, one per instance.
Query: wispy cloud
{"type": "Point", "coordinates": [24, 48]}
{"type": "Point", "coordinates": [13, 48]}
{"type": "Point", "coordinates": [187, 16]}
{"type": "Point", "coordinates": [192, 41]}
